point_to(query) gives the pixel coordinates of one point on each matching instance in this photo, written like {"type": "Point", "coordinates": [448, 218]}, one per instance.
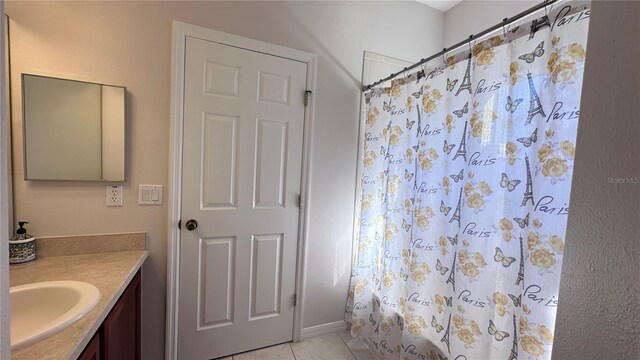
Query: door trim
{"type": "Point", "coordinates": [180, 33]}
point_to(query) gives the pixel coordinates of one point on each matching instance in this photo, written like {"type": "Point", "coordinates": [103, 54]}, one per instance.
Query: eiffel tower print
{"type": "Point", "coordinates": [528, 192]}
{"type": "Point", "coordinates": [521, 271]}
{"type": "Point", "coordinates": [451, 280]}
{"type": "Point", "coordinates": [445, 337]}
{"type": "Point", "coordinates": [465, 84]}
{"type": "Point", "coordinates": [514, 348]}
{"type": "Point", "coordinates": [462, 148]}
{"type": "Point", "coordinates": [456, 214]}
{"type": "Point", "coordinates": [535, 107]}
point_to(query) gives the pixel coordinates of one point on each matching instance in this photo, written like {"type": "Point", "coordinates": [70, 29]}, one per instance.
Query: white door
{"type": "Point", "coordinates": [242, 157]}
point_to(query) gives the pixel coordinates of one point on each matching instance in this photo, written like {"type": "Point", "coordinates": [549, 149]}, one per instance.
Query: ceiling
{"type": "Point", "coordinates": [442, 5]}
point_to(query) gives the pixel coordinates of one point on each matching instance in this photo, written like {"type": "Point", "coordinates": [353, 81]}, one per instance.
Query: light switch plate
{"type": "Point", "coordinates": [149, 194]}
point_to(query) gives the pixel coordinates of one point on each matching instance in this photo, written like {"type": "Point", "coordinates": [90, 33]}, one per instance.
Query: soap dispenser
{"type": "Point", "coordinates": [22, 246]}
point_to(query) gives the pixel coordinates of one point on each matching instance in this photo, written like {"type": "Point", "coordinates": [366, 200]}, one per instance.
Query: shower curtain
{"type": "Point", "coordinates": [466, 175]}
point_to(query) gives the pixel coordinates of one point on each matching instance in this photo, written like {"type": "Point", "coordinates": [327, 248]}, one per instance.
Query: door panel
{"type": "Point", "coordinates": [242, 157]}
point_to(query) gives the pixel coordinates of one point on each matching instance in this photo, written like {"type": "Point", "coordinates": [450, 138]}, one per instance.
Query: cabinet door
{"type": "Point", "coordinates": [121, 329]}
{"type": "Point", "coordinates": [92, 351]}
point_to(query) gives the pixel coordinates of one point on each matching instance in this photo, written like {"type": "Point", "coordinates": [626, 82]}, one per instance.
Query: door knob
{"type": "Point", "coordinates": [192, 225]}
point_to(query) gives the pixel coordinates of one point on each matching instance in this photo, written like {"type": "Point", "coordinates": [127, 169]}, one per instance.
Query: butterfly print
{"type": "Point", "coordinates": [443, 270]}
{"type": "Point", "coordinates": [403, 275]}
{"type": "Point", "coordinates": [444, 209]}
{"type": "Point", "coordinates": [537, 52]}
{"type": "Point", "coordinates": [408, 175]}
{"type": "Point", "coordinates": [435, 324]}
{"type": "Point", "coordinates": [461, 112]}
{"type": "Point", "coordinates": [382, 151]}
{"type": "Point", "coordinates": [512, 105]}
{"type": "Point", "coordinates": [517, 301]}
{"type": "Point", "coordinates": [388, 107]}
{"type": "Point", "coordinates": [405, 225]}
{"type": "Point", "coordinates": [506, 261]}
{"type": "Point", "coordinates": [448, 301]}
{"type": "Point", "coordinates": [527, 141]}
{"type": "Point", "coordinates": [509, 184]}
{"type": "Point", "coordinates": [453, 240]}
{"type": "Point", "coordinates": [410, 124]}
{"type": "Point", "coordinates": [448, 147]}
{"type": "Point", "coordinates": [497, 334]}
{"type": "Point", "coordinates": [415, 148]}
{"type": "Point", "coordinates": [451, 84]}
{"type": "Point", "coordinates": [400, 322]}
{"type": "Point", "coordinates": [522, 222]}
{"type": "Point", "coordinates": [417, 94]}
{"type": "Point", "coordinates": [458, 177]}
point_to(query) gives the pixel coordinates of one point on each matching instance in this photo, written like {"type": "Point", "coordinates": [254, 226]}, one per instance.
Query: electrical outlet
{"type": "Point", "coordinates": [114, 195]}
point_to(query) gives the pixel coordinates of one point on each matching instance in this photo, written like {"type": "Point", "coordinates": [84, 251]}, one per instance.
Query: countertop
{"type": "Point", "coordinates": [110, 272]}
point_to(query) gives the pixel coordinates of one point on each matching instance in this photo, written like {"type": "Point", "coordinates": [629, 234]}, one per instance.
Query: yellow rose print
{"type": "Point", "coordinates": [567, 148]}
{"type": "Point", "coordinates": [576, 51]}
{"type": "Point", "coordinates": [544, 151]}
{"type": "Point", "coordinates": [563, 72]}
{"type": "Point", "coordinates": [554, 167]}
{"type": "Point", "coordinates": [475, 201]}
{"type": "Point", "coordinates": [466, 336]}
{"type": "Point", "coordinates": [532, 345]}
{"type": "Point", "coordinates": [556, 243]}
{"type": "Point", "coordinates": [543, 258]}
{"type": "Point", "coordinates": [546, 334]}
{"type": "Point", "coordinates": [485, 57]}
{"type": "Point", "coordinates": [500, 299]}
{"type": "Point", "coordinates": [532, 240]}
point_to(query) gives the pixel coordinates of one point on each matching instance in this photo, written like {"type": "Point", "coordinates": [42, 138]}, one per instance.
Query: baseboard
{"type": "Point", "coordinates": [324, 329]}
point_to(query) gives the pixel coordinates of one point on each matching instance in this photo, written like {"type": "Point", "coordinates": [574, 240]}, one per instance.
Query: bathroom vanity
{"type": "Point", "coordinates": [111, 263]}
{"type": "Point", "coordinates": [119, 335]}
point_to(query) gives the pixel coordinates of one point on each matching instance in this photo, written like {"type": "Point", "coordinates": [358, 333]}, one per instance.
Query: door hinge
{"type": "Point", "coordinates": [295, 300]}
{"type": "Point", "coordinates": [300, 201]}
{"type": "Point", "coordinates": [307, 93]}
{"type": "Point", "coordinates": [179, 224]}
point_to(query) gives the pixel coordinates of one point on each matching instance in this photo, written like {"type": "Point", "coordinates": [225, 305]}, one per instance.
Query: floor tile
{"type": "Point", "coordinates": [357, 346]}
{"type": "Point", "coordinates": [327, 347]}
{"type": "Point", "coordinates": [276, 352]}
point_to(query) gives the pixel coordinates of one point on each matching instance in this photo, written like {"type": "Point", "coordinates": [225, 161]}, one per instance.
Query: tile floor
{"type": "Point", "coordinates": [337, 346]}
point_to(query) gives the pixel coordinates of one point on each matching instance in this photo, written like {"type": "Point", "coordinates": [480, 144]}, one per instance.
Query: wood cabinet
{"type": "Point", "coordinates": [92, 351]}
{"type": "Point", "coordinates": [118, 338]}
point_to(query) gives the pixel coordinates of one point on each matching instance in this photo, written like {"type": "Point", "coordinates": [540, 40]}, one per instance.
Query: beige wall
{"type": "Point", "coordinates": [4, 203]}
{"type": "Point", "coordinates": [129, 43]}
{"type": "Point", "coordinates": [598, 313]}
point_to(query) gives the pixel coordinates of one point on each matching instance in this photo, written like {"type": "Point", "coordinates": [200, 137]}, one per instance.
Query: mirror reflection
{"type": "Point", "coordinates": [73, 130]}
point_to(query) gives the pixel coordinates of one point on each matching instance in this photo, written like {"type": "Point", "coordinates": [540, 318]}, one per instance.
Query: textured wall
{"type": "Point", "coordinates": [129, 43]}
{"type": "Point", "coordinates": [599, 311]}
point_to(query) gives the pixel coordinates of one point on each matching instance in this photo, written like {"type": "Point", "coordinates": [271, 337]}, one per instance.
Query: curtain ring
{"type": "Point", "coordinates": [504, 24]}
{"type": "Point", "coordinates": [546, 2]}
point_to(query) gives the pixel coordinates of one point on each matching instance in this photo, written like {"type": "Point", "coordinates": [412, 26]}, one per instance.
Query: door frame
{"type": "Point", "coordinates": [180, 33]}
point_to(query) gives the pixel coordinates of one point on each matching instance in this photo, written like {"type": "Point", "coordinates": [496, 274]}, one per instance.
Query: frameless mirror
{"type": "Point", "coordinates": [73, 130]}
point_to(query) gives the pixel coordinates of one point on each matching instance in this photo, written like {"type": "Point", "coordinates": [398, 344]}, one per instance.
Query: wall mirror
{"type": "Point", "coordinates": [73, 130]}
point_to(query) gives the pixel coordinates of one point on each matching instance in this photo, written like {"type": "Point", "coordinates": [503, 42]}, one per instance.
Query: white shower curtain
{"type": "Point", "coordinates": [466, 176]}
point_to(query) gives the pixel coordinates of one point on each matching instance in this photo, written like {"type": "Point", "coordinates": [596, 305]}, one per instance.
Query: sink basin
{"type": "Point", "coordinates": [42, 309]}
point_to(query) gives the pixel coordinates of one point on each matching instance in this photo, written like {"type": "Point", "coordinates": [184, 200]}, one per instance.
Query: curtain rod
{"type": "Point", "coordinates": [495, 27]}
